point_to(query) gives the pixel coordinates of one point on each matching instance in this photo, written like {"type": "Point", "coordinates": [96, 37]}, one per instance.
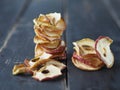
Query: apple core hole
{"type": "Point", "coordinates": [45, 71]}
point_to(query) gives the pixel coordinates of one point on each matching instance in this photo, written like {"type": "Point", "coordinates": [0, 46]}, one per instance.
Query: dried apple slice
{"type": "Point", "coordinates": [83, 66]}
{"type": "Point", "coordinates": [92, 61]}
{"type": "Point", "coordinates": [30, 63]}
{"type": "Point", "coordinates": [54, 17]}
{"type": "Point", "coordinates": [61, 66]}
{"type": "Point", "coordinates": [84, 46]}
{"type": "Point", "coordinates": [21, 69]}
{"type": "Point", "coordinates": [38, 64]}
{"type": "Point", "coordinates": [43, 53]}
{"type": "Point", "coordinates": [60, 56]}
{"type": "Point", "coordinates": [45, 56]}
{"type": "Point", "coordinates": [59, 49]}
{"type": "Point", "coordinates": [40, 40]}
{"type": "Point", "coordinates": [41, 34]}
{"type": "Point", "coordinates": [47, 73]}
{"type": "Point", "coordinates": [103, 50]}
{"type": "Point", "coordinates": [52, 45]}
{"type": "Point", "coordinates": [53, 31]}
{"type": "Point", "coordinates": [48, 31]}
{"type": "Point", "coordinates": [61, 25]}
{"type": "Point", "coordinates": [52, 20]}
{"type": "Point", "coordinates": [38, 50]}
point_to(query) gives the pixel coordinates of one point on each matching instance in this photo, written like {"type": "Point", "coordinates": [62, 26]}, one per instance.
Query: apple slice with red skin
{"type": "Point", "coordinates": [47, 73]}
{"type": "Point", "coordinates": [52, 45]}
{"type": "Point", "coordinates": [50, 70]}
{"type": "Point", "coordinates": [84, 46]}
{"type": "Point", "coordinates": [102, 47]}
{"type": "Point", "coordinates": [91, 60]}
{"type": "Point", "coordinates": [57, 50]}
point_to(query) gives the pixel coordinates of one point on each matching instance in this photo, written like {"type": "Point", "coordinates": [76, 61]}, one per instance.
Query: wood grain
{"type": "Point", "coordinates": [84, 18]}
{"type": "Point", "coordinates": [20, 46]}
{"type": "Point", "coordinates": [91, 18]}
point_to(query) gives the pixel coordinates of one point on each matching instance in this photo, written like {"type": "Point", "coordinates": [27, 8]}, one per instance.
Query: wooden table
{"type": "Point", "coordinates": [84, 18]}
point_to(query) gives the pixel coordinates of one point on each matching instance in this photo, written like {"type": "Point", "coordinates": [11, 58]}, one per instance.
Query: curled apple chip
{"type": "Point", "coordinates": [83, 66]}
{"type": "Point", "coordinates": [103, 50]}
{"type": "Point", "coordinates": [52, 20]}
{"type": "Point", "coordinates": [38, 50]}
{"type": "Point", "coordinates": [48, 31]}
{"type": "Point", "coordinates": [84, 46]}
{"type": "Point", "coordinates": [88, 62]}
{"type": "Point", "coordinates": [21, 69]}
{"type": "Point", "coordinates": [55, 49]}
{"type": "Point", "coordinates": [85, 57]}
{"type": "Point", "coordinates": [49, 48]}
{"type": "Point", "coordinates": [44, 36]}
{"type": "Point", "coordinates": [92, 55]}
{"type": "Point", "coordinates": [52, 45]}
{"type": "Point", "coordinates": [40, 40]}
{"type": "Point", "coordinates": [59, 49]}
{"type": "Point", "coordinates": [37, 63]}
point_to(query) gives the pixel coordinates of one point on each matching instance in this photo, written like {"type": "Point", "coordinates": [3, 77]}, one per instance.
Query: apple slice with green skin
{"type": "Point", "coordinates": [102, 47]}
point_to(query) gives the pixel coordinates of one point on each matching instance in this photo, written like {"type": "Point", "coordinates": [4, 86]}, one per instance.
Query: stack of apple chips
{"type": "Point", "coordinates": [49, 48]}
{"type": "Point", "coordinates": [49, 29]}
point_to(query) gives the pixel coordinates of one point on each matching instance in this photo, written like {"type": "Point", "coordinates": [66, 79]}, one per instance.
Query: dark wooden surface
{"type": "Point", "coordinates": [84, 18]}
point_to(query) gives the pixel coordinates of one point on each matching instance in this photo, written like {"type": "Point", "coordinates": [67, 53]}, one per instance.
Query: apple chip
{"type": "Point", "coordinates": [21, 69]}
{"type": "Point", "coordinates": [103, 50]}
{"type": "Point", "coordinates": [48, 73]}
{"type": "Point", "coordinates": [84, 46]}
{"type": "Point", "coordinates": [49, 48]}
{"type": "Point", "coordinates": [93, 55]}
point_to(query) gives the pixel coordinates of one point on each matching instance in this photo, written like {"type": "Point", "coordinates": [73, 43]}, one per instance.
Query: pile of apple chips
{"type": "Point", "coordinates": [48, 50]}
{"type": "Point", "coordinates": [49, 29]}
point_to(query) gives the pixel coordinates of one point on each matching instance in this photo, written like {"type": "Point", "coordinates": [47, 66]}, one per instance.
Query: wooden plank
{"type": "Point", "coordinates": [9, 10]}
{"type": "Point", "coordinates": [21, 46]}
{"type": "Point", "coordinates": [113, 8]}
{"type": "Point", "coordinates": [90, 18]}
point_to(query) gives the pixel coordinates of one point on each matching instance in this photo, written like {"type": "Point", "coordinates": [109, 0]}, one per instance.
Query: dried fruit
{"type": "Point", "coordinates": [21, 69]}
{"type": "Point", "coordinates": [50, 72]}
{"type": "Point", "coordinates": [92, 55]}
{"type": "Point", "coordinates": [103, 50]}
{"type": "Point", "coordinates": [49, 47]}
{"type": "Point", "coordinates": [48, 29]}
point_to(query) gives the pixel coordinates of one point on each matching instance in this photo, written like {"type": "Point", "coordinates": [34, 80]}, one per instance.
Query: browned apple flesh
{"type": "Point", "coordinates": [21, 69]}
{"type": "Point", "coordinates": [103, 50]}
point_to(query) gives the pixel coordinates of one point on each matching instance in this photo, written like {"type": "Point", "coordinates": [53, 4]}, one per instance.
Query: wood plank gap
{"type": "Point", "coordinates": [15, 24]}
{"type": "Point", "coordinates": [112, 12]}
{"type": "Point", "coordinates": [65, 16]}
